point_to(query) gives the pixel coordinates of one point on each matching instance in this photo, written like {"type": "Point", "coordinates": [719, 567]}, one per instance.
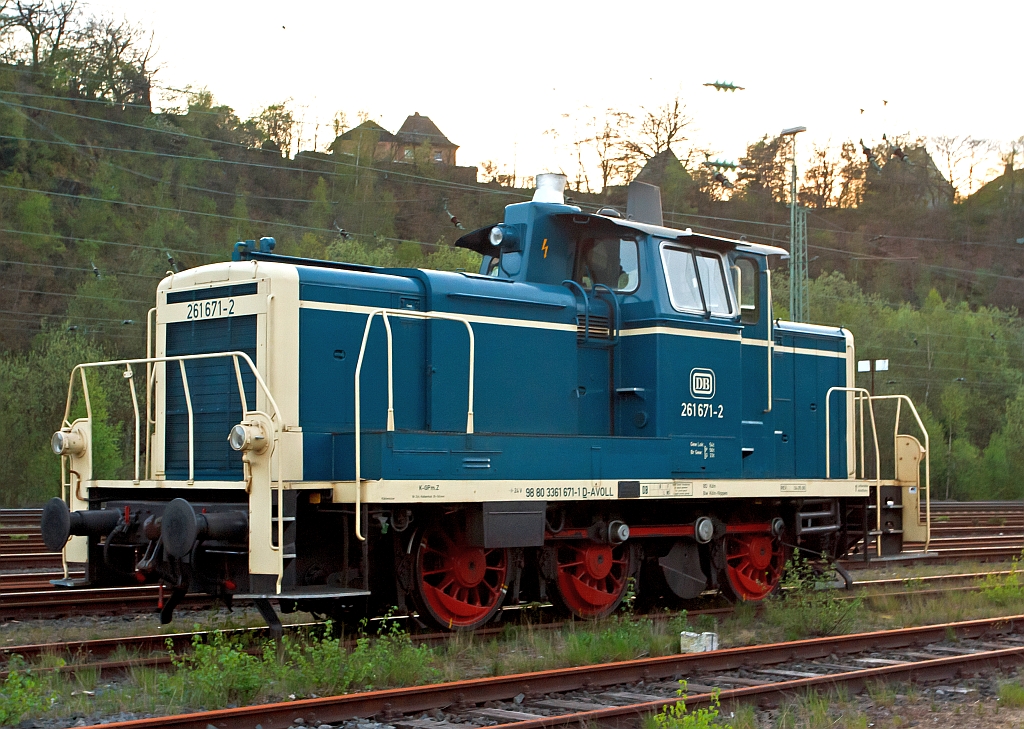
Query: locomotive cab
{"type": "Point", "coordinates": [609, 401]}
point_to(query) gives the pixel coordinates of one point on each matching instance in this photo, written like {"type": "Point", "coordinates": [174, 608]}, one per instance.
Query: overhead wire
{"type": "Point", "coordinates": [966, 273]}
{"type": "Point", "coordinates": [238, 145]}
{"type": "Point", "coordinates": [62, 316]}
{"type": "Point", "coordinates": [73, 296]}
{"type": "Point", "coordinates": [245, 195]}
{"type": "Point", "coordinates": [76, 268]}
{"type": "Point", "coordinates": [98, 241]}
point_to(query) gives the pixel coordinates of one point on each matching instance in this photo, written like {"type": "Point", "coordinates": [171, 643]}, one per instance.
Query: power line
{"type": "Point", "coordinates": [161, 249]}
{"type": "Point", "coordinates": [966, 273]}
{"type": "Point", "coordinates": [113, 104]}
{"type": "Point", "coordinates": [163, 209]}
{"type": "Point", "coordinates": [423, 180]}
{"type": "Point", "coordinates": [333, 233]}
{"type": "Point", "coordinates": [64, 316]}
{"type": "Point", "coordinates": [882, 236]}
{"type": "Point", "coordinates": [73, 296]}
{"type": "Point", "coordinates": [11, 326]}
{"type": "Point", "coordinates": [84, 270]}
{"type": "Point", "coordinates": [245, 195]}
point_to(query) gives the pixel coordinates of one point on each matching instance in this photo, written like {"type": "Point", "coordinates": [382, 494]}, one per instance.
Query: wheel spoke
{"type": "Point", "coordinates": [456, 581]}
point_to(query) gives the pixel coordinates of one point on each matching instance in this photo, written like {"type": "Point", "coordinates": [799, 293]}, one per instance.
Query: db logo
{"type": "Point", "coordinates": [702, 383]}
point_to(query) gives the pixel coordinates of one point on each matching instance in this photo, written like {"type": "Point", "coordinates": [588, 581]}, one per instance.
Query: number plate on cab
{"type": "Point", "coordinates": [211, 308]}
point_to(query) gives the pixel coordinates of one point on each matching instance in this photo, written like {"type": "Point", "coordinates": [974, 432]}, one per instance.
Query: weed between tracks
{"type": "Point", "coordinates": [225, 672]}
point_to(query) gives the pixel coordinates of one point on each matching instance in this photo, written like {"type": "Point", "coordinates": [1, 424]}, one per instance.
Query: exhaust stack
{"type": "Point", "coordinates": [550, 188]}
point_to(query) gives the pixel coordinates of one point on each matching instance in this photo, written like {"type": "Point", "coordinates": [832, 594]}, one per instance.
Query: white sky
{"type": "Point", "coordinates": [495, 76]}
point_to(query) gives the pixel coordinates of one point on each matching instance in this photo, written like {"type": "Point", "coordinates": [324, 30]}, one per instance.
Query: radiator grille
{"type": "Point", "coordinates": [600, 327]}
{"type": "Point", "coordinates": [214, 390]}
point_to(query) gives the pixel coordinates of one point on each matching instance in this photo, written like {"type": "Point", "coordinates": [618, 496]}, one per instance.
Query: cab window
{"type": "Point", "coordinates": [614, 262]}
{"type": "Point", "coordinates": [747, 289]}
{"type": "Point", "coordinates": [708, 295]}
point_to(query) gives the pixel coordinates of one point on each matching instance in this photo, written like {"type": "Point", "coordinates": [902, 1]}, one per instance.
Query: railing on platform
{"type": "Point", "coordinates": [385, 315]}
{"type": "Point", "coordinates": [862, 397]}
{"type": "Point", "coordinates": [153, 365]}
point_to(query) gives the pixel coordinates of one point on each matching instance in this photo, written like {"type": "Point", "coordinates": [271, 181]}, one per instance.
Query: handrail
{"type": "Point", "coordinates": [586, 306]}
{"type": "Point", "coordinates": [276, 418]}
{"type": "Point", "coordinates": [402, 314]}
{"type": "Point", "coordinates": [771, 337]}
{"type": "Point", "coordinates": [615, 305]}
{"type": "Point", "coordinates": [191, 424]}
{"type": "Point", "coordinates": [80, 369]}
{"type": "Point", "coordinates": [130, 376]}
{"type": "Point", "coordinates": [150, 400]}
{"type": "Point", "coordinates": [861, 394]}
{"type": "Point", "coordinates": [928, 455]}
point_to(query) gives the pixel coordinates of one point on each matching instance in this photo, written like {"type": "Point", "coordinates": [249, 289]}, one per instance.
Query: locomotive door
{"type": "Point", "coordinates": [753, 293]}
{"type": "Point", "coordinates": [595, 340]}
{"type": "Point", "coordinates": [604, 267]}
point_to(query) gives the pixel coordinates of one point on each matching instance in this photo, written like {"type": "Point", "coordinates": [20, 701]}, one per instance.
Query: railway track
{"type": "Point", "coordinates": [622, 693]}
{"type": "Point", "coordinates": [91, 653]}
{"type": "Point", "coordinates": [966, 535]}
{"type": "Point", "coordinates": [24, 596]}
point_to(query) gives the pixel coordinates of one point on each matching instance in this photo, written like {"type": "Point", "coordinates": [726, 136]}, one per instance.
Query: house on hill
{"type": "Point", "coordinates": [400, 147]}
{"type": "Point", "coordinates": [658, 167]}
{"type": "Point", "coordinates": [418, 130]}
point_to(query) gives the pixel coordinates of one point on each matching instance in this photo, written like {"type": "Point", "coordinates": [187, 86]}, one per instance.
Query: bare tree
{"type": "Point", "coordinates": [764, 171]}
{"type": "Point", "coordinates": [851, 176]}
{"type": "Point", "coordinates": [957, 158]}
{"type": "Point", "coordinates": [607, 144]}
{"type": "Point", "coordinates": [339, 123]}
{"type": "Point", "coordinates": [660, 129]}
{"type": "Point", "coordinates": [276, 126]}
{"type": "Point", "coordinates": [1009, 159]}
{"type": "Point", "coordinates": [110, 59]}
{"type": "Point", "coordinates": [821, 178]}
{"type": "Point", "coordinates": [46, 23]}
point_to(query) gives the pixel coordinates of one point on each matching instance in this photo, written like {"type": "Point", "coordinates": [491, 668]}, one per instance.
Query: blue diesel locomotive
{"type": "Point", "coordinates": [607, 403]}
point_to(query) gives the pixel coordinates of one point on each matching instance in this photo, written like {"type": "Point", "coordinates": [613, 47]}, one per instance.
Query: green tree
{"type": "Point", "coordinates": [33, 393]}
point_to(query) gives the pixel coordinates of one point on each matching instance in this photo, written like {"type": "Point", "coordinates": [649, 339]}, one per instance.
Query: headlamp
{"type": "Point", "coordinates": [67, 442]}
{"type": "Point", "coordinates": [248, 437]}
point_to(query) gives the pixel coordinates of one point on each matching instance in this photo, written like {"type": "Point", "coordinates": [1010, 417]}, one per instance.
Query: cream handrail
{"type": "Point", "coordinates": [80, 369]}
{"type": "Point", "coordinates": [129, 375]}
{"type": "Point", "coordinates": [927, 457]}
{"type": "Point", "coordinates": [402, 314]}
{"type": "Point", "coordinates": [275, 418]}
{"type": "Point", "coordinates": [861, 394]}
{"type": "Point", "coordinates": [191, 423]}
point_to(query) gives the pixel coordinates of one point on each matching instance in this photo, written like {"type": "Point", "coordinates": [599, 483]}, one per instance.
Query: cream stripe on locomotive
{"type": "Point", "coordinates": [571, 490]}
{"type": "Point", "coordinates": [555, 326]}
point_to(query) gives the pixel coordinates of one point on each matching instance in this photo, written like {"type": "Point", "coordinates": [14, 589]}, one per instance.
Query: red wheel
{"type": "Point", "coordinates": [592, 578]}
{"type": "Point", "coordinates": [459, 586]}
{"type": "Point", "coordinates": [753, 565]}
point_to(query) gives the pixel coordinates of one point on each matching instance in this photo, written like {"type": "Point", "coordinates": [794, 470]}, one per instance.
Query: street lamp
{"type": "Point", "coordinates": [798, 310]}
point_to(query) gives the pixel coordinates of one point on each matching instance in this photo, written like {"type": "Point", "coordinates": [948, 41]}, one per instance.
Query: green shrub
{"type": "Point", "coordinates": [805, 607]}
{"type": "Point", "coordinates": [675, 716]}
{"type": "Point", "coordinates": [219, 672]}
{"type": "Point", "coordinates": [1006, 589]}
{"type": "Point", "coordinates": [1011, 695]}
{"type": "Point", "coordinates": [23, 694]}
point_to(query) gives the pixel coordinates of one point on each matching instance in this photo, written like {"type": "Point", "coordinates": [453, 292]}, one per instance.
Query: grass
{"type": "Point", "coordinates": [804, 608]}
{"type": "Point", "coordinates": [1011, 695]}
{"type": "Point", "coordinates": [223, 672]}
{"type": "Point", "coordinates": [677, 716]}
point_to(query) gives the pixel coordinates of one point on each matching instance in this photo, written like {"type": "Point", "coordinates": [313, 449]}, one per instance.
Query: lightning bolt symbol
{"type": "Point", "coordinates": [544, 247]}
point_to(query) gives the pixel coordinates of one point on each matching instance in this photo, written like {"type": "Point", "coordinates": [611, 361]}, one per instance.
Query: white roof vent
{"type": "Point", "coordinates": [550, 186]}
